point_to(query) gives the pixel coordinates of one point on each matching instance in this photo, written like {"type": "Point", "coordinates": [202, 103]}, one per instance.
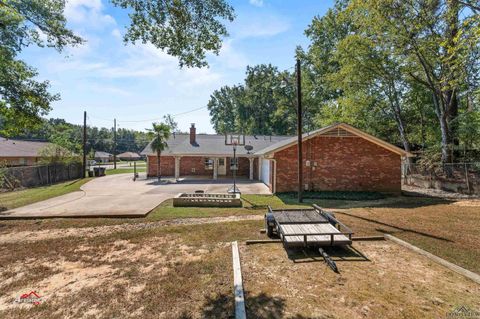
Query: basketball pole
{"type": "Point", "coordinates": [234, 168]}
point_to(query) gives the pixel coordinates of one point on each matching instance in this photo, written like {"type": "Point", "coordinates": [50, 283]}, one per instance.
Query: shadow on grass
{"type": "Point", "coordinates": [261, 306]}
{"type": "Point", "coordinates": [338, 253]}
{"type": "Point", "coordinates": [403, 229]}
{"type": "Point", "coordinates": [387, 202]}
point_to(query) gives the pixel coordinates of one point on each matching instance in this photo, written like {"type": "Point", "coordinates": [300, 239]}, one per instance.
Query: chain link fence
{"type": "Point", "coordinates": [454, 177]}
{"type": "Point", "coordinates": [31, 176]}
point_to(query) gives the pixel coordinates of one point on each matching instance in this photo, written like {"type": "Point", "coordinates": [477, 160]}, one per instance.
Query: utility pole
{"type": "Point", "coordinates": [299, 131]}
{"type": "Point", "coordinates": [114, 143]}
{"type": "Point", "coordinates": [84, 162]}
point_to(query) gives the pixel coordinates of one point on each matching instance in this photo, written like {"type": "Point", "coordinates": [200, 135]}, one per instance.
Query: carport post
{"type": "Point", "coordinates": [215, 168]}
{"type": "Point", "coordinates": [251, 159]}
{"type": "Point", "coordinates": [177, 167]}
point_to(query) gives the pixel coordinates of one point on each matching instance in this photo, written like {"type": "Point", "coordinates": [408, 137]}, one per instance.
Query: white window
{"type": "Point", "coordinates": [234, 164]}
{"type": "Point", "coordinates": [208, 163]}
{"type": "Point", "coordinates": [22, 161]}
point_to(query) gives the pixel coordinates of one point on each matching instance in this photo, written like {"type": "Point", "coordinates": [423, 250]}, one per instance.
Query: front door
{"type": "Point", "coordinates": [222, 167]}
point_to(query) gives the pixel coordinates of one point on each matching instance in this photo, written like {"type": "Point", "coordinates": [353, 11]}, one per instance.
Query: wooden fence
{"type": "Point", "coordinates": [31, 176]}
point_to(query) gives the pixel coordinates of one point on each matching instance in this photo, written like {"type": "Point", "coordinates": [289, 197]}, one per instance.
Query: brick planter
{"type": "Point", "coordinates": [207, 200]}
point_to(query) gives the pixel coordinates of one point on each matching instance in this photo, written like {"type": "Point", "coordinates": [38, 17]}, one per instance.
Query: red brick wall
{"type": "Point", "coordinates": [167, 165]}
{"type": "Point", "coordinates": [343, 164]}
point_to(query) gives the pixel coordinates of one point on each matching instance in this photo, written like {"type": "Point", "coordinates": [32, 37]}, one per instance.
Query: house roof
{"type": "Point", "coordinates": [128, 155]}
{"type": "Point", "coordinates": [212, 144]}
{"type": "Point", "coordinates": [19, 148]}
{"type": "Point", "coordinates": [100, 154]}
{"type": "Point", "coordinates": [348, 128]}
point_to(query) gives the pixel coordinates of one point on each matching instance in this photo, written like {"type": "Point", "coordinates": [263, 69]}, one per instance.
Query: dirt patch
{"type": "Point", "coordinates": [393, 283]}
{"type": "Point", "coordinates": [468, 203]}
{"type": "Point", "coordinates": [89, 232]}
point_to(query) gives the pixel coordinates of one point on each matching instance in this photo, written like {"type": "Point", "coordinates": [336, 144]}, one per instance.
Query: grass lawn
{"type": "Point", "coordinates": [446, 229]}
{"type": "Point", "coordinates": [184, 271]}
{"type": "Point", "coordinates": [124, 170]}
{"type": "Point", "coordinates": [24, 197]}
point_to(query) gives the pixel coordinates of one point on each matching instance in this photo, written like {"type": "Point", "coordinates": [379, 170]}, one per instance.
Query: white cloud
{"type": "Point", "coordinates": [116, 33]}
{"type": "Point", "coordinates": [230, 57]}
{"type": "Point", "coordinates": [259, 25]}
{"type": "Point", "coordinates": [88, 13]}
{"type": "Point", "coordinates": [257, 3]}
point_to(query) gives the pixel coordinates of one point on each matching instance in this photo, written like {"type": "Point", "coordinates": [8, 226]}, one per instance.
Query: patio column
{"type": "Point", "coordinates": [251, 159]}
{"type": "Point", "coordinates": [215, 168]}
{"type": "Point", "coordinates": [177, 167]}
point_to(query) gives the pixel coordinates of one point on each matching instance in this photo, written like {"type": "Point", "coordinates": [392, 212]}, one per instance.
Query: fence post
{"type": "Point", "coordinates": [466, 178]}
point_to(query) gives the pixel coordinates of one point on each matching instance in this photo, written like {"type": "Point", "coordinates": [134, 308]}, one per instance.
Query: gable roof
{"type": "Point", "coordinates": [213, 144]}
{"type": "Point", "coordinates": [348, 128]}
{"type": "Point", "coordinates": [128, 155]}
{"type": "Point", "coordinates": [100, 154]}
{"type": "Point", "coordinates": [19, 148]}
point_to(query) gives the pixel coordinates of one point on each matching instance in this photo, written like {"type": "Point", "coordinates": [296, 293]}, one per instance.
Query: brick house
{"type": "Point", "coordinates": [20, 153]}
{"type": "Point", "coordinates": [338, 157]}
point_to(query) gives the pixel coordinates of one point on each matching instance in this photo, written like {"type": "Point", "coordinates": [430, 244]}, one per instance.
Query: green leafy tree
{"type": "Point", "coordinates": [437, 41]}
{"type": "Point", "coordinates": [160, 132]}
{"type": "Point", "coordinates": [185, 29]}
{"type": "Point", "coordinates": [23, 23]}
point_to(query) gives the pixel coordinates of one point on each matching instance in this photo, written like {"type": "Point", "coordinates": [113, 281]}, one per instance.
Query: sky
{"type": "Point", "coordinates": [139, 84]}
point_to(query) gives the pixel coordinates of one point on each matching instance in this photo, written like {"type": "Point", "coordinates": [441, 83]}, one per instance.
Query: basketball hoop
{"type": "Point", "coordinates": [235, 140]}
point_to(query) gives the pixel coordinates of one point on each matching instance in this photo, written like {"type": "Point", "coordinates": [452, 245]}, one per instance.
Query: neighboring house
{"type": "Point", "coordinates": [129, 156]}
{"type": "Point", "coordinates": [20, 153]}
{"type": "Point", "coordinates": [103, 157]}
{"type": "Point", "coordinates": [338, 157]}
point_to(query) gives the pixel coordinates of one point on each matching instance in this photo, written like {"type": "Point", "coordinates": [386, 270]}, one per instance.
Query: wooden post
{"type": "Point", "coordinates": [466, 177]}
{"type": "Point", "coordinates": [84, 162]}
{"type": "Point", "coordinates": [299, 131]}
{"type": "Point", "coordinates": [240, 312]}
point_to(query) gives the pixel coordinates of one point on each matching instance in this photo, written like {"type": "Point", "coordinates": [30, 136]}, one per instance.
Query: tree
{"type": "Point", "coordinates": [438, 42]}
{"type": "Point", "coordinates": [160, 132]}
{"type": "Point", "coordinates": [170, 121]}
{"type": "Point", "coordinates": [23, 23]}
{"type": "Point", "coordinates": [185, 29]}
{"type": "Point", "coordinates": [263, 105]}
{"type": "Point", "coordinates": [226, 109]}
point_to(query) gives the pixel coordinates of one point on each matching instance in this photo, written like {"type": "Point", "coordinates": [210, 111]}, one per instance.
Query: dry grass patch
{"type": "Point", "coordinates": [395, 283]}
{"type": "Point", "coordinates": [448, 230]}
{"type": "Point", "coordinates": [157, 272]}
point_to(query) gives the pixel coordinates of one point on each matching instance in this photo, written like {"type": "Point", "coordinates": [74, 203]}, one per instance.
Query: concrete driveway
{"type": "Point", "coordinates": [119, 196]}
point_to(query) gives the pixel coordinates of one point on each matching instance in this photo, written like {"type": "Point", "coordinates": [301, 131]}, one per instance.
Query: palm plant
{"type": "Point", "coordinates": [160, 133]}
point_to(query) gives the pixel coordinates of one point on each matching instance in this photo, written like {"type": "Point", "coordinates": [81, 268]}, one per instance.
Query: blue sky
{"type": "Point", "coordinates": [137, 84]}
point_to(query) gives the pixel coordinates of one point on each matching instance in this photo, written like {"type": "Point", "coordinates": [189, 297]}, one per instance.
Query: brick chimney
{"type": "Point", "coordinates": [193, 134]}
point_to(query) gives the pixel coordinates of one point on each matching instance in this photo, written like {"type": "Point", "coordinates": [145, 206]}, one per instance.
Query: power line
{"type": "Point", "coordinates": [152, 119]}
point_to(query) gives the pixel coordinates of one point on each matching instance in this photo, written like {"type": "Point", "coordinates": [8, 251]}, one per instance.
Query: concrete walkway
{"type": "Point", "coordinates": [119, 196]}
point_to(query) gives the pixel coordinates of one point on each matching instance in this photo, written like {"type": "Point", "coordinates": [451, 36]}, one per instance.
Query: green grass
{"type": "Point", "coordinates": [24, 197]}
{"type": "Point", "coordinates": [166, 211]}
{"type": "Point", "coordinates": [124, 171]}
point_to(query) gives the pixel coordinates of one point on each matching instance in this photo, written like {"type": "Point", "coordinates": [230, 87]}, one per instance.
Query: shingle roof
{"type": "Point", "coordinates": [212, 144]}
{"type": "Point", "coordinates": [128, 155]}
{"type": "Point", "coordinates": [100, 154]}
{"type": "Point", "coordinates": [18, 148]}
